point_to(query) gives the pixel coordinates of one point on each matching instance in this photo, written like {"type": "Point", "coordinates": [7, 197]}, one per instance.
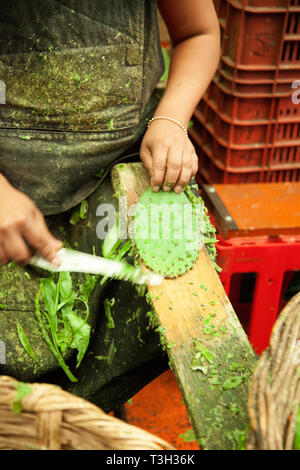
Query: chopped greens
{"type": "Point", "coordinates": [188, 436]}
{"type": "Point", "coordinates": [297, 433]}
{"type": "Point", "coordinates": [61, 325]}
{"type": "Point", "coordinates": [23, 389]}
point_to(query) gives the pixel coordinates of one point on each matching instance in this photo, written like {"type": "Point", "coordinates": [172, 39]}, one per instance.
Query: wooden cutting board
{"type": "Point", "coordinates": [209, 352]}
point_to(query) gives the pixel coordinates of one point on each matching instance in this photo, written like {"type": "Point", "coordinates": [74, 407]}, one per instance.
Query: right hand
{"type": "Point", "coordinates": [21, 221]}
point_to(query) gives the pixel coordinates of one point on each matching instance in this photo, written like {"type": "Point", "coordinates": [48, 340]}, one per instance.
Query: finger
{"type": "Point", "coordinates": [174, 164]}
{"type": "Point", "coordinates": [15, 248]}
{"type": "Point", "coordinates": [146, 159]}
{"type": "Point", "coordinates": [39, 237]}
{"type": "Point", "coordinates": [195, 164]}
{"type": "Point", "coordinates": [3, 258]}
{"type": "Point", "coordinates": [159, 165]}
{"type": "Point", "coordinates": [186, 171]}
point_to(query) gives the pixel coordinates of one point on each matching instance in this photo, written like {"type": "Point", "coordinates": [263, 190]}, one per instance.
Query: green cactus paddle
{"type": "Point", "coordinates": [166, 232]}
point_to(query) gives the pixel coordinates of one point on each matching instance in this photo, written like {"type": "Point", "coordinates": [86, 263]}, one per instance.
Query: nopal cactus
{"type": "Point", "coordinates": [166, 232]}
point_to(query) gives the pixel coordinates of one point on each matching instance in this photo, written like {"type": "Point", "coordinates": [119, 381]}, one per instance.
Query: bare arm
{"type": "Point", "coordinates": [21, 220]}
{"type": "Point", "coordinates": [166, 152]}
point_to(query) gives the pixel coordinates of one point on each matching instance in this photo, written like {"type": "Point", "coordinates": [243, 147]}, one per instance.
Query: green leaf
{"type": "Point", "coordinates": [51, 346]}
{"type": "Point", "coordinates": [81, 335]}
{"type": "Point", "coordinates": [65, 285]}
{"type": "Point", "coordinates": [87, 286]}
{"type": "Point", "coordinates": [48, 288]}
{"type": "Point", "coordinates": [25, 343]}
{"type": "Point", "coordinates": [23, 389]}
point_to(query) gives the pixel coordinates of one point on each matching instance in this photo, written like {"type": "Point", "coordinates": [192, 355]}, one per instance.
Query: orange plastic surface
{"type": "Point", "coordinates": [263, 208]}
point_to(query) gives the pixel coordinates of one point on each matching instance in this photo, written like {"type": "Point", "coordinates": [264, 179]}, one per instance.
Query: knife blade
{"type": "Point", "coordinates": [77, 261]}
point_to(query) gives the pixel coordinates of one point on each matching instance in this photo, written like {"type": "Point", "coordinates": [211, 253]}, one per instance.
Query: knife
{"type": "Point", "coordinates": [77, 261]}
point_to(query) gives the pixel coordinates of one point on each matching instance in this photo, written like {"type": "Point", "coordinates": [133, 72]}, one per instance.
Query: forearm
{"type": "Point", "coordinates": [194, 62]}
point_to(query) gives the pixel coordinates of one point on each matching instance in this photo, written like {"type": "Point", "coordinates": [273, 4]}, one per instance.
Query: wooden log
{"type": "Point", "coordinates": [209, 352]}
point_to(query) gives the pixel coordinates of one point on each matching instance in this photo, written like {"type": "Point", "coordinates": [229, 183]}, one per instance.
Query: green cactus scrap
{"type": "Point", "coordinates": [166, 232]}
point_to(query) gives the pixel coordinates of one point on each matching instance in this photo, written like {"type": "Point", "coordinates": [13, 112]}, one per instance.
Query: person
{"type": "Point", "coordinates": [80, 81]}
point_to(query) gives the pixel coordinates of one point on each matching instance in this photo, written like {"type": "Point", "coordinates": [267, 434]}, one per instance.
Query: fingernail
{"type": "Point", "coordinates": [177, 189]}
{"type": "Point", "coordinates": [167, 188]}
{"type": "Point", "coordinates": [156, 189]}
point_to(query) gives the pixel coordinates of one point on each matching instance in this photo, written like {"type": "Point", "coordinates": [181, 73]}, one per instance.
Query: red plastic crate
{"type": "Point", "coordinates": [258, 245]}
{"type": "Point", "coordinates": [261, 35]}
{"type": "Point", "coordinates": [270, 259]}
{"type": "Point", "coordinates": [249, 107]}
{"type": "Point", "coordinates": [231, 156]}
{"type": "Point", "coordinates": [248, 134]}
{"type": "Point", "coordinates": [256, 82]}
{"type": "Point", "coordinates": [212, 170]}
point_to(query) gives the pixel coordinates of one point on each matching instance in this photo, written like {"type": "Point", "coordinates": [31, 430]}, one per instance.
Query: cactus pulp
{"type": "Point", "coordinates": [165, 232]}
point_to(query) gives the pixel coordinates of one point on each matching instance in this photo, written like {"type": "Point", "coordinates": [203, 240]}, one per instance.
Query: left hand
{"type": "Point", "coordinates": [169, 156]}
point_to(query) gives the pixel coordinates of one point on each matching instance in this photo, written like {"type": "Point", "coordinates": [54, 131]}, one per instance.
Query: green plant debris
{"type": "Point", "coordinates": [238, 437]}
{"type": "Point", "coordinates": [79, 213]}
{"type": "Point", "coordinates": [76, 77]}
{"type": "Point", "coordinates": [129, 402]}
{"type": "Point", "coordinates": [111, 352]}
{"type": "Point", "coordinates": [139, 335]}
{"type": "Point", "coordinates": [23, 389]}
{"type": "Point", "coordinates": [111, 124]}
{"type": "Point", "coordinates": [101, 358]}
{"type": "Point", "coordinates": [61, 325]}
{"type": "Point", "coordinates": [27, 275]}
{"type": "Point", "coordinates": [107, 309]}
{"type": "Point", "coordinates": [232, 382]}
{"type": "Point", "coordinates": [188, 436]}
{"type": "Point", "coordinates": [2, 307]}
{"type": "Point", "coordinates": [297, 432]}
{"type": "Point", "coordinates": [167, 62]}
{"type": "Point", "coordinates": [209, 231]}
{"type": "Point", "coordinates": [201, 356]}
{"type": "Point", "coordinates": [25, 343]}
{"type": "Point", "coordinates": [234, 408]}
{"type": "Point", "coordinates": [25, 137]}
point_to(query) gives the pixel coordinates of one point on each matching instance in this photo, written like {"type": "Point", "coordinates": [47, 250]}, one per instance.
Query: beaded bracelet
{"type": "Point", "coordinates": [169, 119]}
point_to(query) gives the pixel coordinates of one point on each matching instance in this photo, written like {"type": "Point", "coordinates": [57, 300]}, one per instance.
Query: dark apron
{"type": "Point", "coordinates": [80, 77]}
{"type": "Point", "coordinates": [79, 82]}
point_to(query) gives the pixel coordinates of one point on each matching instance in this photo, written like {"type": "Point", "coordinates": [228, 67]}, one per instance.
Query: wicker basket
{"type": "Point", "coordinates": [274, 394]}
{"type": "Point", "coordinates": [53, 419]}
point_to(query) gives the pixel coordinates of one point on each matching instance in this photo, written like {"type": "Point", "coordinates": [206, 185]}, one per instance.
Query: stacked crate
{"type": "Point", "coordinates": [247, 126]}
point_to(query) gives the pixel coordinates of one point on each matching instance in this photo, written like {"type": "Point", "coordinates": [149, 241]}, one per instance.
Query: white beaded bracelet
{"type": "Point", "coordinates": [169, 119]}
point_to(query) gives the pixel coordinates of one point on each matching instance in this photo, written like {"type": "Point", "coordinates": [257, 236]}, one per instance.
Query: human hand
{"type": "Point", "coordinates": [21, 221]}
{"type": "Point", "coordinates": [169, 156]}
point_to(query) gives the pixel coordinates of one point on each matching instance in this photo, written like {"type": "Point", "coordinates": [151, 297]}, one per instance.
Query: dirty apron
{"type": "Point", "coordinates": [79, 89]}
